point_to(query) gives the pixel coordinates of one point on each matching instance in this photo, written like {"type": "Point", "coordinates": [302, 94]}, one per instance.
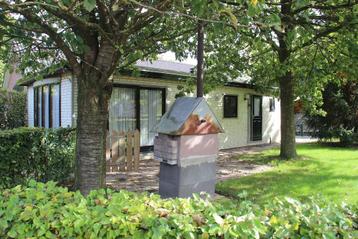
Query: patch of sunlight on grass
{"type": "Point", "coordinates": [320, 170]}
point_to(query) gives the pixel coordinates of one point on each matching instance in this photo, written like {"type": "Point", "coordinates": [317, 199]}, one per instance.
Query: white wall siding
{"type": "Point", "coordinates": [237, 130]}
{"type": "Point", "coordinates": [66, 102]}
{"type": "Point", "coordinates": [30, 106]}
{"type": "Point", "coordinates": [271, 121]}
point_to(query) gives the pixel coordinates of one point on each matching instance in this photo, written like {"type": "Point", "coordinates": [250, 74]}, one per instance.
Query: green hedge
{"type": "Point", "coordinates": [12, 109]}
{"type": "Point", "coordinates": [47, 211]}
{"type": "Point", "coordinates": [35, 153]}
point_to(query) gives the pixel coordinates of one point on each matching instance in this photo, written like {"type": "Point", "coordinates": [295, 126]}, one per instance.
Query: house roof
{"type": "Point", "coordinates": [156, 69]}
{"type": "Point", "coordinates": [166, 67]}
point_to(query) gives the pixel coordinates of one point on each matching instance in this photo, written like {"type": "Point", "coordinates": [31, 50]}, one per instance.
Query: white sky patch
{"type": "Point", "coordinates": [170, 56]}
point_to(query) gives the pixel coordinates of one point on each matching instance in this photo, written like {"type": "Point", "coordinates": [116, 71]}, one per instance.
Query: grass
{"type": "Point", "coordinates": [320, 170]}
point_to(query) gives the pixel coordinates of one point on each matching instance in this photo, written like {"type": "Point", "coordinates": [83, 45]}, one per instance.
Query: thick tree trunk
{"type": "Point", "coordinates": [288, 137]}
{"type": "Point", "coordinates": [93, 100]}
{"type": "Point", "coordinates": [288, 144]}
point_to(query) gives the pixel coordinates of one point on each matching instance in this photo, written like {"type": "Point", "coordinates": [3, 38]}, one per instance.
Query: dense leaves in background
{"type": "Point", "coordinates": [45, 210]}
{"type": "Point", "coordinates": [294, 45]}
{"type": "Point", "coordinates": [340, 104]}
{"type": "Point", "coordinates": [12, 109]}
{"type": "Point", "coordinates": [35, 153]}
{"type": "Point", "coordinates": [2, 66]}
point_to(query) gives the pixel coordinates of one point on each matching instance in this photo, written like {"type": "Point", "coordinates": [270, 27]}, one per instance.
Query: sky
{"type": "Point", "coordinates": [170, 56]}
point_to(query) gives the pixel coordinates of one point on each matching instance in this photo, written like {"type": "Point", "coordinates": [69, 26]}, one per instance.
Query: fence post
{"type": "Point", "coordinates": [129, 151]}
{"type": "Point", "coordinates": [136, 149]}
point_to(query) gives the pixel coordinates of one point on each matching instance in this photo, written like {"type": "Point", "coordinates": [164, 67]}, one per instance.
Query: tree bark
{"type": "Point", "coordinates": [288, 142]}
{"type": "Point", "coordinates": [200, 59]}
{"type": "Point", "coordinates": [93, 100]}
{"type": "Point", "coordinates": [287, 95]}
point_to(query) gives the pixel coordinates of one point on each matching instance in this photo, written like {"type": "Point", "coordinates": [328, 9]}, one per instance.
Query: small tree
{"type": "Point", "coordinates": [340, 118]}
{"type": "Point", "coordinates": [12, 109]}
{"type": "Point", "coordinates": [287, 45]}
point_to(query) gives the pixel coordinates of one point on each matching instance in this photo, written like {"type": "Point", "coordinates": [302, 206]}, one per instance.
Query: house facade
{"type": "Point", "coordinates": [248, 117]}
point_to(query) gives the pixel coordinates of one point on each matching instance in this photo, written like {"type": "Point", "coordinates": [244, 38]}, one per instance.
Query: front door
{"type": "Point", "coordinates": [256, 118]}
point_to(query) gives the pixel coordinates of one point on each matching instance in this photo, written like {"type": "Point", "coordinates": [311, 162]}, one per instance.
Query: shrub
{"type": "Point", "coordinates": [35, 153]}
{"type": "Point", "coordinates": [47, 211]}
{"type": "Point", "coordinates": [340, 103]}
{"type": "Point", "coordinates": [12, 109]}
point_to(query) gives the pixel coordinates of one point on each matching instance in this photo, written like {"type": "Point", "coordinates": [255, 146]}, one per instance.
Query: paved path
{"type": "Point", "coordinates": [147, 178]}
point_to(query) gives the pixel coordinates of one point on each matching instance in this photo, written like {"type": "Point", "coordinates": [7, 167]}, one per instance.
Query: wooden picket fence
{"type": "Point", "coordinates": [122, 151]}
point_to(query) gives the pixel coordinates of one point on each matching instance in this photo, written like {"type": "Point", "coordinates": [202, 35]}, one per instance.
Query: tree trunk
{"type": "Point", "coordinates": [288, 144]}
{"type": "Point", "coordinates": [288, 137]}
{"type": "Point", "coordinates": [200, 59]}
{"type": "Point", "coordinates": [93, 99]}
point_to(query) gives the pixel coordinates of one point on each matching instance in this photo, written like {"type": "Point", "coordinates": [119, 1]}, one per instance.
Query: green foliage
{"type": "Point", "coordinates": [2, 66]}
{"type": "Point", "coordinates": [35, 153]}
{"type": "Point", "coordinates": [12, 109]}
{"type": "Point", "coordinates": [340, 105]}
{"type": "Point", "coordinates": [47, 211]}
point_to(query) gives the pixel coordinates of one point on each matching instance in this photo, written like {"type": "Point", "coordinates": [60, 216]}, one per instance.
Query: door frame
{"type": "Point", "coordinates": [251, 118]}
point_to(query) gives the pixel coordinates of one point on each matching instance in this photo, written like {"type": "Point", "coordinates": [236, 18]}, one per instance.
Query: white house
{"type": "Point", "coordinates": [248, 117]}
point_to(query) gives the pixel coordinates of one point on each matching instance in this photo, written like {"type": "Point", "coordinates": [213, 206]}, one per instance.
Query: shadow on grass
{"type": "Point", "coordinates": [264, 158]}
{"type": "Point", "coordinates": [296, 183]}
{"type": "Point", "coordinates": [297, 178]}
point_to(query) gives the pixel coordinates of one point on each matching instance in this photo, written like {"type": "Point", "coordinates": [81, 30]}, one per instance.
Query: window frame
{"type": "Point", "coordinates": [45, 110]}
{"type": "Point", "coordinates": [225, 113]}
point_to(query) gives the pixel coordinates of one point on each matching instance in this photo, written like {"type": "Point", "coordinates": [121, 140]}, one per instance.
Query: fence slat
{"type": "Point", "coordinates": [136, 149]}
{"type": "Point", "coordinates": [122, 151]}
{"type": "Point", "coordinates": [129, 151]}
{"type": "Point", "coordinates": [108, 152]}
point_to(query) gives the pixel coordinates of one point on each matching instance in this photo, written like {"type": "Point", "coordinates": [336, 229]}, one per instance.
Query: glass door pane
{"type": "Point", "coordinates": [122, 112]}
{"type": "Point", "coordinates": [151, 106]}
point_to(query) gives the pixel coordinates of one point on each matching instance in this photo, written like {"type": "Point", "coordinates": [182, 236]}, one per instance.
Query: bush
{"type": "Point", "coordinates": [47, 211]}
{"type": "Point", "coordinates": [35, 153]}
{"type": "Point", "coordinates": [340, 103]}
{"type": "Point", "coordinates": [12, 109]}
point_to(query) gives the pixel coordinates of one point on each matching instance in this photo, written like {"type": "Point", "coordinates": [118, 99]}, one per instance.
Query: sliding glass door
{"type": "Point", "coordinates": [151, 109]}
{"type": "Point", "coordinates": [136, 108]}
{"type": "Point", "coordinates": [122, 111]}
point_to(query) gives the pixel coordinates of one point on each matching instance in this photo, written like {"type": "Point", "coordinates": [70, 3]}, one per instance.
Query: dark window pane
{"type": "Point", "coordinates": [46, 107]}
{"type": "Point", "coordinates": [39, 107]}
{"type": "Point", "coordinates": [230, 106]}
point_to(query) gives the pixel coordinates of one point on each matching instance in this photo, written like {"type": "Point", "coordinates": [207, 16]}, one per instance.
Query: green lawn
{"type": "Point", "coordinates": [324, 170]}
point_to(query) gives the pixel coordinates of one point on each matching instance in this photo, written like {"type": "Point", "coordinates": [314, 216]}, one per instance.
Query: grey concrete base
{"type": "Point", "coordinates": [175, 181]}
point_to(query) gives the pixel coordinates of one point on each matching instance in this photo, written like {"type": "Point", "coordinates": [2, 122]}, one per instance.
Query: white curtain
{"type": "Point", "coordinates": [55, 101]}
{"type": "Point", "coordinates": [122, 113]}
{"type": "Point", "coordinates": [150, 113]}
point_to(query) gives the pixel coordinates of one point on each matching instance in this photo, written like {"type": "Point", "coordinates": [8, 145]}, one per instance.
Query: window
{"type": "Point", "coordinates": [272, 104]}
{"type": "Point", "coordinates": [230, 106]}
{"type": "Point", "coordinates": [134, 107]}
{"type": "Point", "coordinates": [47, 106]}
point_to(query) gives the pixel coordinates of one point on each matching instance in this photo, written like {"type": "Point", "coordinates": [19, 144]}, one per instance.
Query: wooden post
{"type": "Point", "coordinates": [200, 61]}
{"type": "Point", "coordinates": [129, 150]}
{"type": "Point", "coordinates": [115, 150]}
{"type": "Point", "coordinates": [136, 149]}
{"type": "Point", "coordinates": [108, 152]}
{"type": "Point", "coordinates": [122, 151]}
